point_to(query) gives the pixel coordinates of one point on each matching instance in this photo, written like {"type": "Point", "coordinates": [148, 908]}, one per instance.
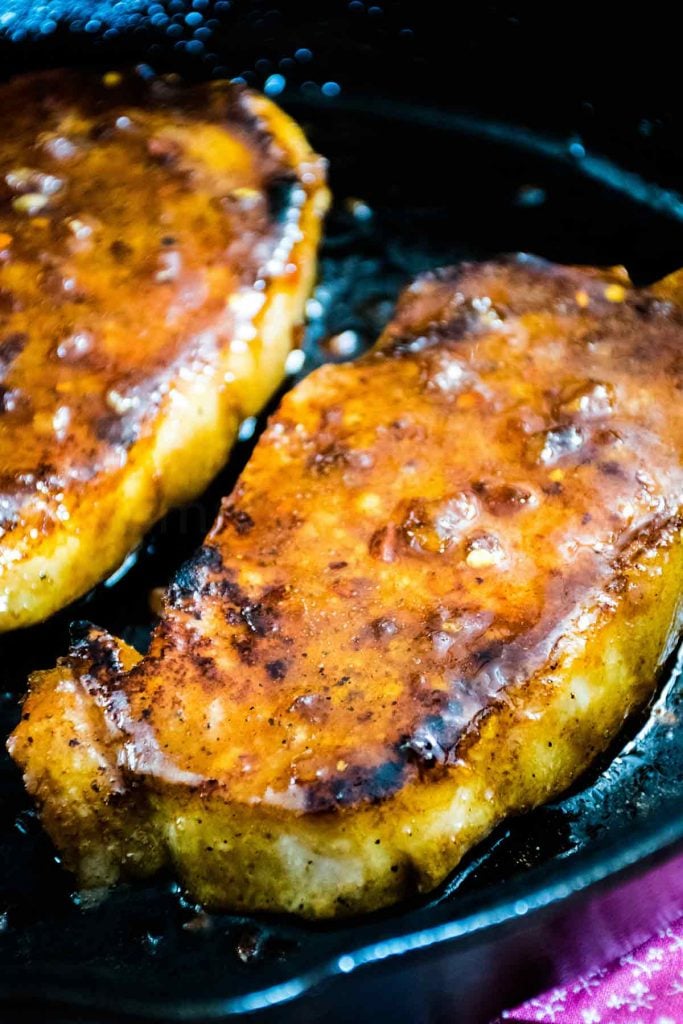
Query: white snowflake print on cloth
{"type": "Point", "coordinates": [643, 987]}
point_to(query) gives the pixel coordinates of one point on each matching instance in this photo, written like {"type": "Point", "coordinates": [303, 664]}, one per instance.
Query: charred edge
{"type": "Point", "coordinates": [96, 648]}
{"type": "Point", "coordinates": [434, 737]}
{"type": "Point", "coordinates": [358, 784]}
{"type": "Point", "coordinates": [189, 580]}
{"type": "Point", "coordinates": [656, 534]}
{"type": "Point", "coordinates": [241, 113]}
{"type": "Point", "coordinates": [430, 743]}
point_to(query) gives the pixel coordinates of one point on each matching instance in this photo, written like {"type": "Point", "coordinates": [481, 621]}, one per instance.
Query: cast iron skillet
{"type": "Point", "coordinates": [416, 186]}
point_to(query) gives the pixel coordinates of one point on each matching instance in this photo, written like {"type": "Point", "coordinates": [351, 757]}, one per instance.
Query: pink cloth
{"type": "Point", "coordinates": [644, 987]}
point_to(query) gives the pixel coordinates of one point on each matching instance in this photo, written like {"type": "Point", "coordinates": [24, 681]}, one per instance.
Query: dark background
{"type": "Point", "coordinates": [604, 71]}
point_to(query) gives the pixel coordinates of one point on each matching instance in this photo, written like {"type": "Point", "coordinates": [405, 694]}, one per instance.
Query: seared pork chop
{"type": "Point", "coordinates": [157, 244]}
{"type": "Point", "coordinates": [448, 574]}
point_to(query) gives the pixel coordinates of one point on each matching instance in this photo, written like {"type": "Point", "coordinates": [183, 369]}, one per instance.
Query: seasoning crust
{"type": "Point", "coordinates": [447, 575]}
{"type": "Point", "coordinates": [157, 244]}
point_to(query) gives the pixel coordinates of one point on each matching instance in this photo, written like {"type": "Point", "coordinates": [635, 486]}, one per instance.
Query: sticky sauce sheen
{"type": "Point", "coordinates": [398, 554]}
{"type": "Point", "coordinates": [130, 212]}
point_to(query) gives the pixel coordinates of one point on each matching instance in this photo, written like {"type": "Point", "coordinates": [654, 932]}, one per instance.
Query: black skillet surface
{"type": "Point", "coordinates": [415, 187]}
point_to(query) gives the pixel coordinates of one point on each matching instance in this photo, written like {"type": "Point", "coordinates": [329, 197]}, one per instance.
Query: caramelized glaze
{"type": "Point", "coordinates": [447, 574]}
{"type": "Point", "coordinates": [144, 227]}
{"type": "Point", "coordinates": [414, 532]}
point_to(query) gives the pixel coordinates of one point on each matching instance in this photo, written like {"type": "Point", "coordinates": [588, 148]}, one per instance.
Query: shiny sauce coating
{"type": "Point", "coordinates": [414, 535]}
{"type": "Point", "coordinates": [140, 224]}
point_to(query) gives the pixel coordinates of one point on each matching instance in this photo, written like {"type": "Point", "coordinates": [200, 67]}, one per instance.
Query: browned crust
{"type": "Point", "coordinates": [157, 244]}
{"type": "Point", "coordinates": [414, 615]}
{"type": "Point", "coordinates": [235, 625]}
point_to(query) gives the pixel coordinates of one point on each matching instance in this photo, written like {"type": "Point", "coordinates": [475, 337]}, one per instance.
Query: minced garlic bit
{"type": "Point", "coordinates": [30, 203]}
{"type": "Point", "coordinates": [556, 475]}
{"type": "Point", "coordinates": [342, 766]}
{"type": "Point", "coordinates": [120, 404]}
{"type": "Point", "coordinates": [111, 79]}
{"type": "Point", "coordinates": [369, 502]}
{"type": "Point", "coordinates": [480, 558]}
{"type": "Point", "coordinates": [582, 298]}
{"type": "Point", "coordinates": [615, 293]}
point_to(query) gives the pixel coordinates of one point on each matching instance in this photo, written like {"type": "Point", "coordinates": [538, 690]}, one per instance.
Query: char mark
{"type": "Point", "coordinates": [10, 348]}
{"type": "Point", "coordinates": [486, 654]}
{"type": "Point", "coordinates": [502, 499]}
{"type": "Point", "coordinates": [424, 747]}
{"type": "Point", "coordinates": [190, 580]}
{"type": "Point", "coordinates": [205, 665]}
{"type": "Point", "coordinates": [277, 669]}
{"type": "Point", "coordinates": [239, 519]}
{"type": "Point", "coordinates": [357, 784]}
{"type": "Point", "coordinates": [96, 648]}
{"type": "Point", "coordinates": [611, 468]}
{"type": "Point", "coordinates": [433, 740]}
{"type": "Point", "coordinates": [121, 251]}
{"type": "Point", "coordinates": [244, 647]}
{"type": "Point", "coordinates": [260, 619]}
{"type": "Point", "coordinates": [431, 746]}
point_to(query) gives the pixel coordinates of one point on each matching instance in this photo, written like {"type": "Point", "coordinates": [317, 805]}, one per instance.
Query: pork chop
{"type": "Point", "coordinates": [448, 574]}
{"type": "Point", "coordinates": [157, 245]}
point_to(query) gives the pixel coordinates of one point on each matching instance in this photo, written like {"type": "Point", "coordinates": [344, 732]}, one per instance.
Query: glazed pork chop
{"type": "Point", "coordinates": [448, 574]}
{"type": "Point", "coordinates": [157, 245]}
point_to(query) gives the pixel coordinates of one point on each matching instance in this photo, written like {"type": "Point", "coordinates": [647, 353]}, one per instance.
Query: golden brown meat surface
{"type": "Point", "coordinates": [157, 244]}
{"type": "Point", "coordinates": [447, 575]}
